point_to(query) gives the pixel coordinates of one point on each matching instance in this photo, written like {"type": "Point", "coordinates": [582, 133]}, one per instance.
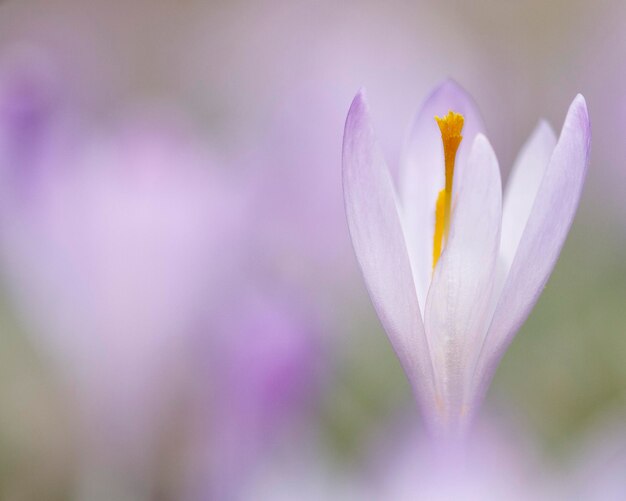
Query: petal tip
{"type": "Point", "coordinates": [450, 95]}
{"type": "Point", "coordinates": [481, 142]}
{"type": "Point", "coordinates": [360, 99]}
{"type": "Point", "coordinates": [578, 109]}
{"type": "Point", "coordinates": [580, 99]}
{"type": "Point", "coordinates": [544, 126]}
{"type": "Point", "coordinates": [358, 108]}
{"type": "Point", "coordinates": [543, 132]}
{"type": "Point", "coordinates": [579, 106]}
{"type": "Point", "coordinates": [358, 132]}
{"type": "Point", "coordinates": [451, 84]}
{"type": "Point", "coordinates": [448, 86]}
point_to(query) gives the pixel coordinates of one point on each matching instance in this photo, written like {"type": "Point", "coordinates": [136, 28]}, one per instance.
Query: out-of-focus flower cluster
{"type": "Point", "coordinates": [181, 313]}
{"type": "Point", "coordinates": [128, 254]}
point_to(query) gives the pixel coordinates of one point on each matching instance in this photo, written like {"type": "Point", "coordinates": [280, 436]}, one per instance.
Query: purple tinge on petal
{"type": "Point", "coordinates": [422, 174]}
{"type": "Point", "coordinates": [460, 293]}
{"type": "Point", "coordinates": [548, 224]}
{"type": "Point", "coordinates": [380, 249]}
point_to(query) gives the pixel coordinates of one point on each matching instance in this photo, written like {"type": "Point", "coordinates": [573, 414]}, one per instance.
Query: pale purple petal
{"type": "Point", "coordinates": [542, 240]}
{"type": "Point", "coordinates": [460, 292]}
{"type": "Point", "coordinates": [422, 174]}
{"type": "Point", "coordinates": [380, 248]}
{"type": "Point", "coordinates": [522, 188]}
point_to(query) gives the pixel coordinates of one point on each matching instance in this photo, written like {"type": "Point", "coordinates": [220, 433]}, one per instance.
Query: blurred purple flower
{"type": "Point", "coordinates": [132, 259]}
{"type": "Point", "coordinates": [110, 245]}
{"type": "Point", "coordinates": [492, 464]}
{"type": "Point", "coordinates": [451, 314]}
{"type": "Point", "coordinates": [258, 376]}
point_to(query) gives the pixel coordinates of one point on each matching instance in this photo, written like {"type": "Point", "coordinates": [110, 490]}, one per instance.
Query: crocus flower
{"type": "Point", "coordinates": [452, 270]}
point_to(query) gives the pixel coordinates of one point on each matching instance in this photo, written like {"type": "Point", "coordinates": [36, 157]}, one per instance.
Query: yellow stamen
{"type": "Point", "coordinates": [450, 126]}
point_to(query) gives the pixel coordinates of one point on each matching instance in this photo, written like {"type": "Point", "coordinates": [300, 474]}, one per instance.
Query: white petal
{"type": "Point", "coordinates": [460, 292]}
{"type": "Point", "coordinates": [523, 186]}
{"type": "Point", "coordinates": [381, 250]}
{"type": "Point", "coordinates": [542, 239]}
{"type": "Point", "coordinates": [422, 174]}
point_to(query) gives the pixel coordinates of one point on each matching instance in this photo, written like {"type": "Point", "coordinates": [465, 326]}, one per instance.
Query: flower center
{"type": "Point", "coordinates": [450, 126]}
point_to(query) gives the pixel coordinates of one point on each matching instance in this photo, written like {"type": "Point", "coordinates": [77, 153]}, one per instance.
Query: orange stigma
{"type": "Point", "coordinates": [450, 126]}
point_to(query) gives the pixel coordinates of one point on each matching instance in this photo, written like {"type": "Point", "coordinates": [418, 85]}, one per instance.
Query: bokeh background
{"type": "Point", "coordinates": [181, 314]}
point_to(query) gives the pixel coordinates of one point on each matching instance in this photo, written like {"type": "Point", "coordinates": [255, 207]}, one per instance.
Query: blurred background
{"type": "Point", "coordinates": [181, 314]}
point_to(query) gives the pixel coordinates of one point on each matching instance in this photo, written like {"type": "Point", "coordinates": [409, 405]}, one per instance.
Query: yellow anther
{"type": "Point", "coordinates": [450, 126]}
